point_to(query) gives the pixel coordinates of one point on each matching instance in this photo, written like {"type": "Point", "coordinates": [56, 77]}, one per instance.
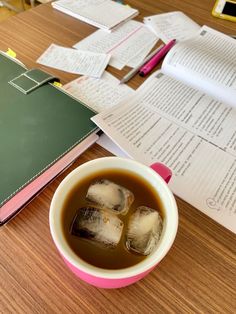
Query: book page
{"type": "Point", "coordinates": [153, 128]}
{"type": "Point", "coordinates": [193, 110]}
{"type": "Point", "coordinates": [127, 44]}
{"type": "Point", "coordinates": [74, 61]}
{"type": "Point", "coordinates": [172, 25]}
{"type": "Point", "coordinates": [206, 62]}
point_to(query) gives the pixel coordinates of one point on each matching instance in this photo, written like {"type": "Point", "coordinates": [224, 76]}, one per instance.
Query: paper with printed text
{"type": "Point", "coordinates": [190, 132]}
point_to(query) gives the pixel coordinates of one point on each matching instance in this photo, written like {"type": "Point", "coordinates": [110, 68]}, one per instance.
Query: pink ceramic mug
{"type": "Point", "coordinates": [106, 278]}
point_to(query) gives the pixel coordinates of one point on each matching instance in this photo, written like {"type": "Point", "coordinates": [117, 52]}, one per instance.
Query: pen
{"type": "Point", "coordinates": [129, 75]}
{"type": "Point", "coordinates": [155, 60]}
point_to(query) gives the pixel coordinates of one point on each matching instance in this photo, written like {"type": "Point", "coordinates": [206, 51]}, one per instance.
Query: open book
{"type": "Point", "coordinates": [177, 117]}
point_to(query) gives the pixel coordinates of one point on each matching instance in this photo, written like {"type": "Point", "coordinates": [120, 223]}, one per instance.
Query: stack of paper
{"type": "Point", "coordinates": [104, 14]}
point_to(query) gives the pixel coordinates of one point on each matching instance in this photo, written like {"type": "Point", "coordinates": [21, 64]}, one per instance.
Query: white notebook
{"type": "Point", "coordinates": [104, 14]}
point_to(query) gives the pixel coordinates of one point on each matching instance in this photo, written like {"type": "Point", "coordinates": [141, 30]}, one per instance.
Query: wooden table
{"type": "Point", "coordinates": [199, 273]}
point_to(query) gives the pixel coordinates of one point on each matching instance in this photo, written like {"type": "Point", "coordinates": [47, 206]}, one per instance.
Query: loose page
{"type": "Point", "coordinates": [138, 59]}
{"type": "Point", "coordinates": [109, 145]}
{"type": "Point", "coordinates": [132, 48]}
{"type": "Point", "coordinates": [100, 94]}
{"type": "Point", "coordinates": [169, 122]}
{"type": "Point", "coordinates": [74, 61]}
{"type": "Point", "coordinates": [123, 44]}
{"type": "Point", "coordinates": [103, 42]}
{"type": "Point", "coordinates": [206, 62]}
{"type": "Point", "coordinates": [172, 25]}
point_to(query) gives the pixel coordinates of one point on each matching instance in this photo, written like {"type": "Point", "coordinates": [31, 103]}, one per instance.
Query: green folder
{"type": "Point", "coordinates": [39, 125]}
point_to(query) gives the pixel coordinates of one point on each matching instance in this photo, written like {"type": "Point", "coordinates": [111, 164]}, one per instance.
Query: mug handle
{"type": "Point", "coordinates": [162, 170]}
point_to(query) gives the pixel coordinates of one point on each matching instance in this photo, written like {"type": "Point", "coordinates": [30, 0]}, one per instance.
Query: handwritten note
{"type": "Point", "coordinates": [74, 61]}
{"type": "Point", "coordinates": [99, 94]}
{"type": "Point", "coordinates": [132, 48]}
{"type": "Point", "coordinates": [137, 59]}
{"type": "Point", "coordinates": [124, 43]}
{"type": "Point", "coordinates": [173, 25]}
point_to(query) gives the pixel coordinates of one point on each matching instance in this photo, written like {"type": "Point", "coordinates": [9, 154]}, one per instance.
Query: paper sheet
{"type": "Point", "coordinates": [109, 145]}
{"type": "Point", "coordinates": [170, 122]}
{"type": "Point", "coordinates": [100, 95]}
{"type": "Point", "coordinates": [136, 60]}
{"type": "Point", "coordinates": [103, 42]}
{"type": "Point", "coordinates": [124, 43]}
{"type": "Point", "coordinates": [173, 25]}
{"type": "Point", "coordinates": [74, 61]}
{"type": "Point", "coordinates": [132, 48]}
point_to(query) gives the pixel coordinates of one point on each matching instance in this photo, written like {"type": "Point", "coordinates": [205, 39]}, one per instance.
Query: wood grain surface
{"type": "Point", "coordinates": [199, 273]}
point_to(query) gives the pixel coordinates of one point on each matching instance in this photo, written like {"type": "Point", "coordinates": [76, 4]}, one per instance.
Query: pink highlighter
{"type": "Point", "coordinates": [156, 59]}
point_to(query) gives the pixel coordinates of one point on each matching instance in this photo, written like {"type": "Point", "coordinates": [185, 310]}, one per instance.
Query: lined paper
{"type": "Point", "coordinates": [75, 61]}
{"type": "Point", "coordinates": [127, 45]}
{"type": "Point", "coordinates": [172, 25]}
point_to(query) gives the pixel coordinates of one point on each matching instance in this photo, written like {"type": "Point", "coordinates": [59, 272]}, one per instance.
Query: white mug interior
{"type": "Point", "coordinates": [170, 216]}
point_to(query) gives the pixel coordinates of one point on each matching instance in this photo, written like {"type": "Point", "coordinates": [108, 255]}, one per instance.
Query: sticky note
{"type": "Point", "coordinates": [11, 53]}
{"type": "Point", "coordinates": [58, 84]}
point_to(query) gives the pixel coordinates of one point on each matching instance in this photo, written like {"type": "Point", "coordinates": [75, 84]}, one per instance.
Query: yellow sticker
{"type": "Point", "coordinates": [11, 53]}
{"type": "Point", "coordinates": [58, 84]}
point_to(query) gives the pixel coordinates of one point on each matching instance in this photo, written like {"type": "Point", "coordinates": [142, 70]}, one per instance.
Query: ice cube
{"type": "Point", "coordinates": [97, 225]}
{"type": "Point", "coordinates": [109, 195]}
{"type": "Point", "coordinates": [144, 230]}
